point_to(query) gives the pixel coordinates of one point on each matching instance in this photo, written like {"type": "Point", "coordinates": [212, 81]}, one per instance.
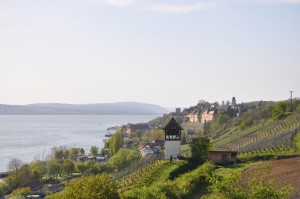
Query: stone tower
{"type": "Point", "coordinates": [233, 102]}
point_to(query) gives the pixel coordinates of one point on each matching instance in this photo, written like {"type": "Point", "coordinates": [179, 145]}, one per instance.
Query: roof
{"type": "Point", "coordinates": [173, 125]}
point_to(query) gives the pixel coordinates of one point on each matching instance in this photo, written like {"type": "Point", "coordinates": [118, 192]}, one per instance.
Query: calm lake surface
{"type": "Point", "coordinates": [30, 137]}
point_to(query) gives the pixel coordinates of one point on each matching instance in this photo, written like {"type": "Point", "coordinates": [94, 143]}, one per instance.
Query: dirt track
{"type": "Point", "coordinates": [284, 172]}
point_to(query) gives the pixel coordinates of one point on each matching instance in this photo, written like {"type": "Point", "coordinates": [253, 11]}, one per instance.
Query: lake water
{"type": "Point", "coordinates": [30, 137]}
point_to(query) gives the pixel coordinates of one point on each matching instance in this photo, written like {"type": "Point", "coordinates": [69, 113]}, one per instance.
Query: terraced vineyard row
{"type": "Point", "coordinates": [272, 137]}
{"type": "Point", "coordinates": [134, 177]}
{"type": "Point", "coordinates": [234, 135]}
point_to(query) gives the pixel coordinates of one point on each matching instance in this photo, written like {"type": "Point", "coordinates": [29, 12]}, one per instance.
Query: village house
{"type": "Point", "coordinates": [150, 148]}
{"type": "Point", "coordinates": [193, 116]}
{"type": "Point", "coordinates": [86, 158]}
{"type": "Point", "coordinates": [209, 115]}
{"type": "Point", "coordinates": [222, 157]}
{"type": "Point", "coordinates": [146, 150]}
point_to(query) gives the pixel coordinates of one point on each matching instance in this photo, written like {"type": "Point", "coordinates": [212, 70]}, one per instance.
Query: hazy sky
{"type": "Point", "coordinates": [166, 52]}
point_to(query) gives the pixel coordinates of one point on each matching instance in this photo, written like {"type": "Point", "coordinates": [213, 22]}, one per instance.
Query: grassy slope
{"type": "Point", "coordinates": [160, 173]}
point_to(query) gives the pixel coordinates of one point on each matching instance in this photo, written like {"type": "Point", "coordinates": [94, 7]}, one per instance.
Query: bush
{"type": "Point", "coordinates": [144, 193]}
{"type": "Point", "coordinates": [21, 193]}
{"type": "Point", "coordinates": [280, 110]}
{"type": "Point", "coordinates": [92, 187]}
{"type": "Point", "coordinates": [3, 189]}
{"type": "Point", "coordinates": [123, 158]}
{"type": "Point", "coordinates": [246, 123]}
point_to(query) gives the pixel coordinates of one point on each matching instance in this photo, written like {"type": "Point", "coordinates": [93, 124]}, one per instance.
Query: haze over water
{"type": "Point", "coordinates": [32, 136]}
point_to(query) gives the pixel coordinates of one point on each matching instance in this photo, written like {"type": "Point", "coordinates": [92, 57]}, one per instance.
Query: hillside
{"type": "Point", "coordinates": [283, 172]}
{"type": "Point", "coordinates": [120, 108]}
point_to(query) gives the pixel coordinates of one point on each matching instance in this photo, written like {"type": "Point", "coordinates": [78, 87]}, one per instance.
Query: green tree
{"type": "Point", "coordinates": [73, 153]}
{"type": "Point", "coordinates": [82, 152]}
{"type": "Point", "coordinates": [81, 167]}
{"type": "Point", "coordinates": [92, 187]}
{"type": "Point", "coordinates": [222, 119]}
{"type": "Point", "coordinates": [124, 158]}
{"type": "Point", "coordinates": [246, 122]}
{"type": "Point", "coordinates": [156, 134]}
{"type": "Point", "coordinates": [53, 168]}
{"type": "Point", "coordinates": [92, 167]}
{"type": "Point", "coordinates": [280, 110]}
{"type": "Point", "coordinates": [38, 169]}
{"type": "Point", "coordinates": [199, 148]}
{"type": "Point", "coordinates": [60, 154]}
{"type": "Point", "coordinates": [115, 143]}
{"type": "Point", "coordinates": [69, 167]}
{"type": "Point", "coordinates": [94, 150]}
{"type": "Point", "coordinates": [25, 174]}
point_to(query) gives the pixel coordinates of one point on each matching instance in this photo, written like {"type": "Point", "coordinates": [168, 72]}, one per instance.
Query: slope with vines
{"type": "Point", "coordinates": [274, 136]}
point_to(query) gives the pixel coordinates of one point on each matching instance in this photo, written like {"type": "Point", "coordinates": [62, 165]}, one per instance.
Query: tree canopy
{"type": "Point", "coordinates": [199, 148]}
{"type": "Point", "coordinates": [280, 110]}
{"type": "Point", "coordinates": [115, 143]}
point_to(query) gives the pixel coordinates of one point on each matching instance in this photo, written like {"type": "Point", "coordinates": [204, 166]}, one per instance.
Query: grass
{"type": "Point", "coordinates": [228, 169]}
{"type": "Point", "coordinates": [161, 173]}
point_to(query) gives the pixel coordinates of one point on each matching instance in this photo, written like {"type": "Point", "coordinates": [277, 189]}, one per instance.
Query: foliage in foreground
{"type": "Point", "coordinates": [92, 187]}
{"type": "Point", "coordinates": [21, 192]}
{"type": "Point", "coordinates": [123, 158]}
{"type": "Point", "coordinates": [182, 187]}
{"type": "Point", "coordinates": [256, 187]}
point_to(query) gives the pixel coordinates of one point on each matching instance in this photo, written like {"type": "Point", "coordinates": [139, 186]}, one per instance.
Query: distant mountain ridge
{"type": "Point", "coordinates": [118, 108]}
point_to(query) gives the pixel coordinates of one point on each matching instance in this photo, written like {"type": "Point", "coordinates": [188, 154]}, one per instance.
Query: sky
{"type": "Point", "coordinates": [166, 52]}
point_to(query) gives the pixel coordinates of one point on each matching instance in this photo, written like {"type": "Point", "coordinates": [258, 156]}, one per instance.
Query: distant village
{"type": "Point", "coordinates": [198, 115]}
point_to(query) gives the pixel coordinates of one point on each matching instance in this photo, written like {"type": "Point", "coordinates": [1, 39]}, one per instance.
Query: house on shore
{"type": "Point", "coordinates": [143, 127]}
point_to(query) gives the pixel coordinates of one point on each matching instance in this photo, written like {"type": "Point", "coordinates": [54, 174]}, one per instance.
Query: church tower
{"type": "Point", "coordinates": [172, 138]}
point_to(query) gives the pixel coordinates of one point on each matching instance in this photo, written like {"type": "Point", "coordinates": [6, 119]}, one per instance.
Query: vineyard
{"type": "Point", "coordinates": [285, 172]}
{"type": "Point", "coordinates": [156, 171]}
{"type": "Point", "coordinates": [274, 137]}
{"type": "Point", "coordinates": [137, 176]}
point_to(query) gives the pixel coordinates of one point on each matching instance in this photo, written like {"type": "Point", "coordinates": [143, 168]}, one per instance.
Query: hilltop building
{"type": "Point", "coordinates": [193, 116]}
{"type": "Point", "coordinates": [233, 101]}
{"type": "Point", "coordinates": [209, 115]}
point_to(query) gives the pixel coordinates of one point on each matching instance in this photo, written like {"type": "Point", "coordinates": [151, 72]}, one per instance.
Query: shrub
{"type": "Point", "coordinates": [21, 192]}
{"type": "Point", "coordinates": [92, 187]}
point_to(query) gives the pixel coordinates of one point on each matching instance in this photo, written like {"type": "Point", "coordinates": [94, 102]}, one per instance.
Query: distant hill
{"type": "Point", "coordinates": [119, 108]}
